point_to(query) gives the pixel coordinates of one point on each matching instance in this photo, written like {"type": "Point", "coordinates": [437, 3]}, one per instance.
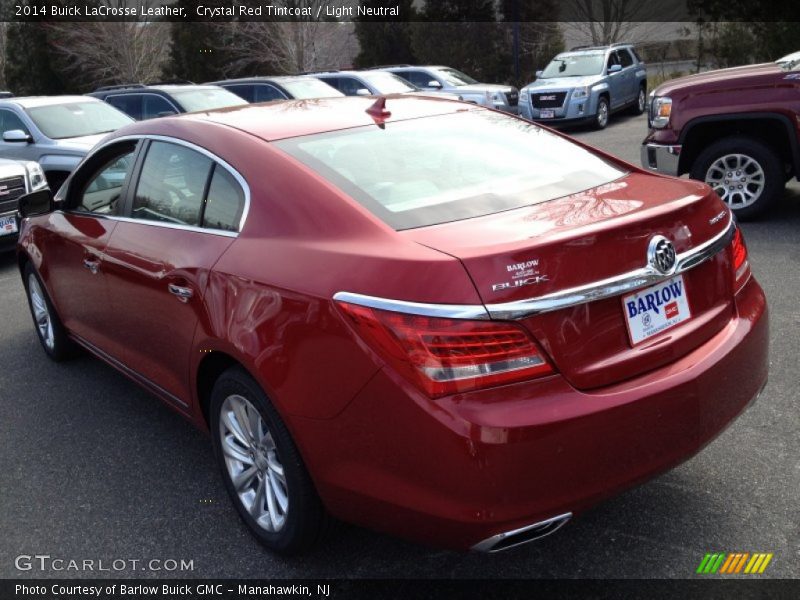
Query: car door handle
{"type": "Point", "coordinates": [183, 293]}
{"type": "Point", "coordinates": [92, 265]}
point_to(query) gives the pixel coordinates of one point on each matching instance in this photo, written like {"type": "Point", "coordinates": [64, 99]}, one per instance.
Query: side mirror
{"type": "Point", "coordinates": [539, 74]}
{"type": "Point", "coordinates": [16, 135]}
{"type": "Point", "coordinates": [362, 92]}
{"type": "Point", "coordinates": [614, 69]}
{"type": "Point", "coordinates": [434, 84]}
{"type": "Point", "coordinates": [36, 203]}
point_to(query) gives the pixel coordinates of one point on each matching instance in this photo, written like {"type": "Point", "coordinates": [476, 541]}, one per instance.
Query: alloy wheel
{"type": "Point", "coordinates": [737, 178]}
{"type": "Point", "coordinates": [642, 100]}
{"type": "Point", "coordinates": [602, 114]}
{"type": "Point", "coordinates": [252, 463]}
{"type": "Point", "coordinates": [41, 312]}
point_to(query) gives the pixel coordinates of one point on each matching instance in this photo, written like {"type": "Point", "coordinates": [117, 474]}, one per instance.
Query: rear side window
{"type": "Point", "coordinates": [130, 104]}
{"type": "Point", "coordinates": [450, 167]}
{"type": "Point", "coordinates": [245, 92]}
{"type": "Point", "coordinates": [266, 93]}
{"type": "Point", "coordinates": [156, 106]}
{"type": "Point", "coordinates": [171, 185]}
{"type": "Point", "coordinates": [225, 202]}
{"type": "Point", "coordinates": [418, 78]}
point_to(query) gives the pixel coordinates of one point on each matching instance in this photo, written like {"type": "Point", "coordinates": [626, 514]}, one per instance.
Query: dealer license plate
{"type": "Point", "coordinates": [656, 309]}
{"type": "Point", "coordinates": [547, 114]}
{"type": "Point", "coordinates": [8, 225]}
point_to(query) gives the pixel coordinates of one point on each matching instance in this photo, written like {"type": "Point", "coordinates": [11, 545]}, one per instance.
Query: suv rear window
{"type": "Point", "coordinates": [446, 168]}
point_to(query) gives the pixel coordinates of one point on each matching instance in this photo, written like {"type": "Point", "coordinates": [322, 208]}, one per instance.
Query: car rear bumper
{"type": "Point", "coordinates": [459, 470]}
{"type": "Point", "coordinates": [661, 158]}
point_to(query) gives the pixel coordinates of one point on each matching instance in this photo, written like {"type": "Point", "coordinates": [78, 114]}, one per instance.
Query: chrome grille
{"type": "Point", "coordinates": [11, 189]}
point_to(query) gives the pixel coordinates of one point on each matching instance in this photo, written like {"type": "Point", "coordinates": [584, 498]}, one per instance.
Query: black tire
{"type": "Point", "coordinates": [640, 104]}
{"type": "Point", "coordinates": [55, 342]}
{"type": "Point", "coordinates": [603, 114]}
{"type": "Point", "coordinates": [306, 520]}
{"type": "Point", "coordinates": [774, 179]}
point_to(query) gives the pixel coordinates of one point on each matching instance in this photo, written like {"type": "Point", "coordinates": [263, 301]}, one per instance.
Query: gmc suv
{"type": "Point", "coordinates": [586, 85]}
{"type": "Point", "coordinates": [736, 129]}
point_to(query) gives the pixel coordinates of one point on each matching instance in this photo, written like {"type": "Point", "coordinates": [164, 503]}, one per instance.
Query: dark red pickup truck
{"type": "Point", "coordinates": [736, 129]}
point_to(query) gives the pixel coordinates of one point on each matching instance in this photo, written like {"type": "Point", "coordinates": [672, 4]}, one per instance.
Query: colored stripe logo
{"type": "Point", "coordinates": [734, 563]}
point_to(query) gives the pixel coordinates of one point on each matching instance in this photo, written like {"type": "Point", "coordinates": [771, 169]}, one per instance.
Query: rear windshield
{"type": "Point", "coordinates": [575, 65]}
{"type": "Point", "coordinates": [450, 167]}
{"type": "Point", "coordinates": [206, 99]}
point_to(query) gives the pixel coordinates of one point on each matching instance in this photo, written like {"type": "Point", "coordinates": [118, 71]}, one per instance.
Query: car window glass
{"type": "Point", "coordinates": [225, 202]}
{"type": "Point", "coordinates": [613, 59]}
{"type": "Point", "coordinates": [245, 92]}
{"type": "Point", "coordinates": [156, 106]}
{"type": "Point", "coordinates": [130, 104]}
{"type": "Point", "coordinates": [349, 86]}
{"type": "Point", "coordinates": [636, 54]}
{"type": "Point", "coordinates": [418, 78]}
{"type": "Point", "coordinates": [265, 93]}
{"type": "Point", "coordinates": [171, 185]}
{"type": "Point", "coordinates": [9, 121]}
{"type": "Point", "coordinates": [625, 58]}
{"type": "Point", "coordinates": [103, 191]}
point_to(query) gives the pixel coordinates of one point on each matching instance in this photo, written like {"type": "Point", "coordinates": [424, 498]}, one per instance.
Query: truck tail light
{"type": "Point", "coordinates": [444, 356]}
{"type": "Point", "coordinates": [741, 266]}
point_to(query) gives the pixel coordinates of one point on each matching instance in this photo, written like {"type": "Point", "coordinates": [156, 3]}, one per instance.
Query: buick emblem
{"type": "Point", "coordinates": [661, 255]}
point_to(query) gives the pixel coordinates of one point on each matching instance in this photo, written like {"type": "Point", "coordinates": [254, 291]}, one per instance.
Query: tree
{"type": "Point", "coordinates": [108, 52]}
{"type": "Point", "coordinates": [30, 67]}
{"type": "Point", "coordinates": [385, 42]}
{"type": "Point", "coordinates": [198, 50]}
{"type": "Point", "coordinates": [292, 46]}
{"type": "Point", "coordinates": [463, 34]}
{"type": "Point", "coordinates": [539, 41]}
{"type": "Point", "coordinates": [609, 21]}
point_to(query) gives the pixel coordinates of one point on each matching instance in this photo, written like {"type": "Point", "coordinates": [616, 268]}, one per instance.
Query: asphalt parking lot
{"type": "Point", "coordinates": [93, 467]}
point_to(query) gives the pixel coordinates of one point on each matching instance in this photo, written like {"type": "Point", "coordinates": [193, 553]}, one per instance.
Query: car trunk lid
{"type": "Point", "coordinates": [590, 237]}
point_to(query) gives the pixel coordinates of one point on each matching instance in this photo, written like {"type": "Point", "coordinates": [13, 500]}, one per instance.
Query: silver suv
{"type": "Point", "coordinates": [587, 84]}
{"type": "Point", "coordinates": [446, 79]}
{"type": "Point", "coordinates": [55, 131]}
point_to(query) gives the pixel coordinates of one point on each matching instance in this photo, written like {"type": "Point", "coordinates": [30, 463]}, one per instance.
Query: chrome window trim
{"type": "Point", "coordinates": [598, 290]}
{"type": "Point", "coordinates": [451, 311]}
{"type": "Point", "coordinates": [163, 138]}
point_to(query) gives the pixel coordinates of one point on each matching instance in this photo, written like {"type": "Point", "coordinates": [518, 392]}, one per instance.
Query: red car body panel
{"type": "Point", "coordinates": [456, 469]}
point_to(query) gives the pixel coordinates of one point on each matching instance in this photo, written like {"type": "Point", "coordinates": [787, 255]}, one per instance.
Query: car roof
{"type": "Point", "coordinates": [259, 79]}
{"type": "Point", "coordinates": [34, 101]}
{"type": "Point", "coordinates": [293, 118]}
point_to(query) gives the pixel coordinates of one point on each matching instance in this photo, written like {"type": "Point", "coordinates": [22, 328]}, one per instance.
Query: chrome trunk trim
{"type": "Point", "coordinates": [448, 311]}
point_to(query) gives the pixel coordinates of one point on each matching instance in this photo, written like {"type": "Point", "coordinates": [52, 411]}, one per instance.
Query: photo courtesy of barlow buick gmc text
{"type": "Point", "coordinates": [355, 298]}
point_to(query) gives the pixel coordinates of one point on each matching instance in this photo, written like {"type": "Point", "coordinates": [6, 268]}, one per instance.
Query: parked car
{"type": "Point", "coordinates": [150, 101]}
{"type": "Point", "coordinates": [375, 83]}
{"type": "Point", "coordinates": [265, 89]}
{"type": "Point", "coordinates": [447, 79]}
{"type": "Point", "coordinates": [735, 129]}
{"type": "Point", "coordinates": [789, 58]}
{"type": "Point", "coordinates": [451, 325]}
{"type": "Point", "coordinates": [587, 85]}
{"type": "Point", "coordinates": [55, 131]}
{"type": "Point", "coordinates": [17, 178]}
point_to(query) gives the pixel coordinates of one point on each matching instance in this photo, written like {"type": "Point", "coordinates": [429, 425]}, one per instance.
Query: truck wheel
{"type": "Point", "coordinates": [601, 116]}
{"type": "Point", "coordinates": [744, 172]}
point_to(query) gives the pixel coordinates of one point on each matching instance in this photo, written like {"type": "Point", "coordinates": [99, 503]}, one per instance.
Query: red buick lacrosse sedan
{"type": "Point", "coordinates": [421, 316]}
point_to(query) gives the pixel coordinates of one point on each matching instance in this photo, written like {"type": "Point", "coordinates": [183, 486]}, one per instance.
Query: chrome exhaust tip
{"type": "Point", "coordinates": [523, 535]}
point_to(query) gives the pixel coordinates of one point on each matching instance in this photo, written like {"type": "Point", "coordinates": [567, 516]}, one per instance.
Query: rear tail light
{"type": "Point", "coordinates": [741, 266]}
{"type": "Point", "coordinates": [445, 356]}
